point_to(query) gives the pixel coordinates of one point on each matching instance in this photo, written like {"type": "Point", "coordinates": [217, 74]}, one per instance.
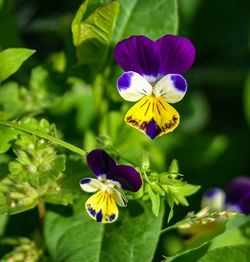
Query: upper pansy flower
{"type": "Point", "coordinates": [153, 76]}
{"type": "Point", "coordinates": [102, 205]}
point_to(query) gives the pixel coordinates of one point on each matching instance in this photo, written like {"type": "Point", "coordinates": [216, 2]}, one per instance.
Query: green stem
{"type": "Point", "coordinates": [41, 213]}
{"type": "Point", "coordinates": [41, 134]}
{"type": "Point", "coordinates": [146, 177]}
{"type": "Point", "coordinates": [124, 158]}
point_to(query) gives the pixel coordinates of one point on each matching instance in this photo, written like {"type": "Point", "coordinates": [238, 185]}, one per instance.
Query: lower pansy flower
{"type": "Point", "coordinates": [102, 205]}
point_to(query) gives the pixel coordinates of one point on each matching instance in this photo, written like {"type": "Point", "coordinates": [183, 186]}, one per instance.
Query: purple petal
{"type": "Point", "coordinates": [237, 189]}
{"type": "Point", "coordinates": [138, 54]}
{"type": "Point", "coordinates": [244, 204]}
{"type": "Point", "coordinates": [100, 162]}
{"type": "Point", "coordinates": [126, 176]}
{"type": "Point", "coordinates": [176, 54]}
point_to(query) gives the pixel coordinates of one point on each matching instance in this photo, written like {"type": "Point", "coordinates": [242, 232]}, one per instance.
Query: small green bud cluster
{"type": "Point", "coordinates": [24, 250]}
{"type": "Point", "coordinates": [37, 161]}
{"type": "Point", "coordinates": [36, 174]}
{"type": "Point", "coordinates": [167, 185]}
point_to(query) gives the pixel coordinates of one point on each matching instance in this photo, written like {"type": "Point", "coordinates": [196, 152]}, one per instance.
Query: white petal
{"type": "Point", "coordinates": [132, 86]}
{"type": "Point", "coordinates": [91, 184]}
{"type": "Point", "coordinates": [171, 87]}
{"type": "Point", "coordinates": [214, 199]}
{"type": "Point", "coordinates": [119, 199]}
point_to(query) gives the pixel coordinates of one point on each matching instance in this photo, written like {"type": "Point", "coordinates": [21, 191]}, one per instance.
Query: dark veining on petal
{"type": "Point", "coordinates": [170, 124]}
{"type": "Point", "coordinates": [162, 104]}
{"type": "Point", "coordinates": [132, 121]}
{"type": "Point", "coordinates": [158, 109]}
{"type": "Point", "coordinates": [144, 104]}
{"type": "Point", "coordinates": [147, 109]}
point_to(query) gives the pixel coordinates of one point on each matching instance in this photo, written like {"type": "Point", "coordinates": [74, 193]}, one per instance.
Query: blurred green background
{"type": "Point", "coordinates": [212, 142]}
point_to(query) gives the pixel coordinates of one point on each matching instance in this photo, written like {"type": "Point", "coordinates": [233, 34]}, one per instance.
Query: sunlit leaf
{"type": "Point", "coordinates": [153, 19]}
{"type": "Point", "coordinates": [79, 238]}
{"type": "Point", "coordinates": [11, 59]}
{"type": "Point", "coordinates": [92, 36]}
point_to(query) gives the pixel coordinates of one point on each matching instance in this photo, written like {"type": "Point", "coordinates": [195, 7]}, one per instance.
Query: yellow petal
{"type": "Point", "coordinates": [153, 116]}
{"type": "Point", "coordinates": [102, 207]}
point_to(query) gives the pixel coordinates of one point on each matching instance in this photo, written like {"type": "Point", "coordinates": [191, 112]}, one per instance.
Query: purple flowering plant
{"type": "Point", "coordinates": [153, 77]}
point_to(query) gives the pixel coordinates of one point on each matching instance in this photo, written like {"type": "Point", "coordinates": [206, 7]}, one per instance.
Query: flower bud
{"type": "Point", "coordinates": [144, 161]}
{"type": "Point", "coordinates": [104, 141]}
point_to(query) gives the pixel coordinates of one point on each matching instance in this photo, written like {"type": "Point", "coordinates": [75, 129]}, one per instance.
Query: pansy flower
{"type": "Point", "coordinates": [102, 205]}
{"type": "Point", "coordinates": [235, 198]}
{"type": "Point", "coordinates": [153, 77]}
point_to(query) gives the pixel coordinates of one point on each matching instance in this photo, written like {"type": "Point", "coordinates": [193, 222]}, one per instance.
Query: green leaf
{"type": "Point", "coordinates": [170, 200]}
{"type": "Point", "coordinates": [7, 135]}
{"type": "Point", "coordinates": [94, 33]}
{"type": "Point", "coordinates": [75, 27]}
{"type": "Point", "coordinates": [79, 238]}
{"type": "Point", "coordinates": [189, 189]}
{"type": "Point", "coordinates": [75, 238]}
{"type": "Point", "coordinates": [155, 199]}
{"type": "Point", "coordinates": [153, 19]}
{"type": "Point", "coordinates": [236, 232]}
{"type": "Point", "coordinates": [231, 253]}
{"type": "Point", "coordinates": [84, 10]}
{"type": "Point", "coordinates": [11, 59]}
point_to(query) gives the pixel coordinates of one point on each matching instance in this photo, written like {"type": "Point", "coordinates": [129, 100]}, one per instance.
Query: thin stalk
{"type": "Point", "coordinates": [124, 158]}
{"type": "Point", "coordinates": [146, 177]}
{"type": "Point", "coordinates": [41, 134]}
{"type": "Point", "coordinates": [41, 213]}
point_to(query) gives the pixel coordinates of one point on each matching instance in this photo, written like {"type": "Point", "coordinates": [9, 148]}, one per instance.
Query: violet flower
{"type": "Point", "coordinates": [236, 197]}
{"type": "Point", "coordinates": [102, 205]}
{"type": "Point", "coordinates": [153, 77]}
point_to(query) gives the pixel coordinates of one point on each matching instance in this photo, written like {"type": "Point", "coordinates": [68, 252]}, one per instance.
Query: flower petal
{"type": "Point", "coordinates": [118, 197]}
{"type": "Point", "coordinates": [176, 54]}
{"type": "Point", "coordinates": [90, 184]}
{"type": "Point", "coordinates": [132, 86]}
{"type": "Point", "coordinates": [237, 189]}
{"type": "Point", "coordinates": [138, 54]}
{"type": "Point", "coordinates": [102, 207]}
{"type": "Point", "coordinates": [126, 176]}
{"type": "Point", "coordinates": [171, 87]}
{"type": "Point", "coordinates": [153, 116]}
{"type": "Point", "coordinates": [244, 204]}
{"type": "Point", "coordinates": [100, 162]}
{"type": "Point", "coordinates": [214, 199]}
